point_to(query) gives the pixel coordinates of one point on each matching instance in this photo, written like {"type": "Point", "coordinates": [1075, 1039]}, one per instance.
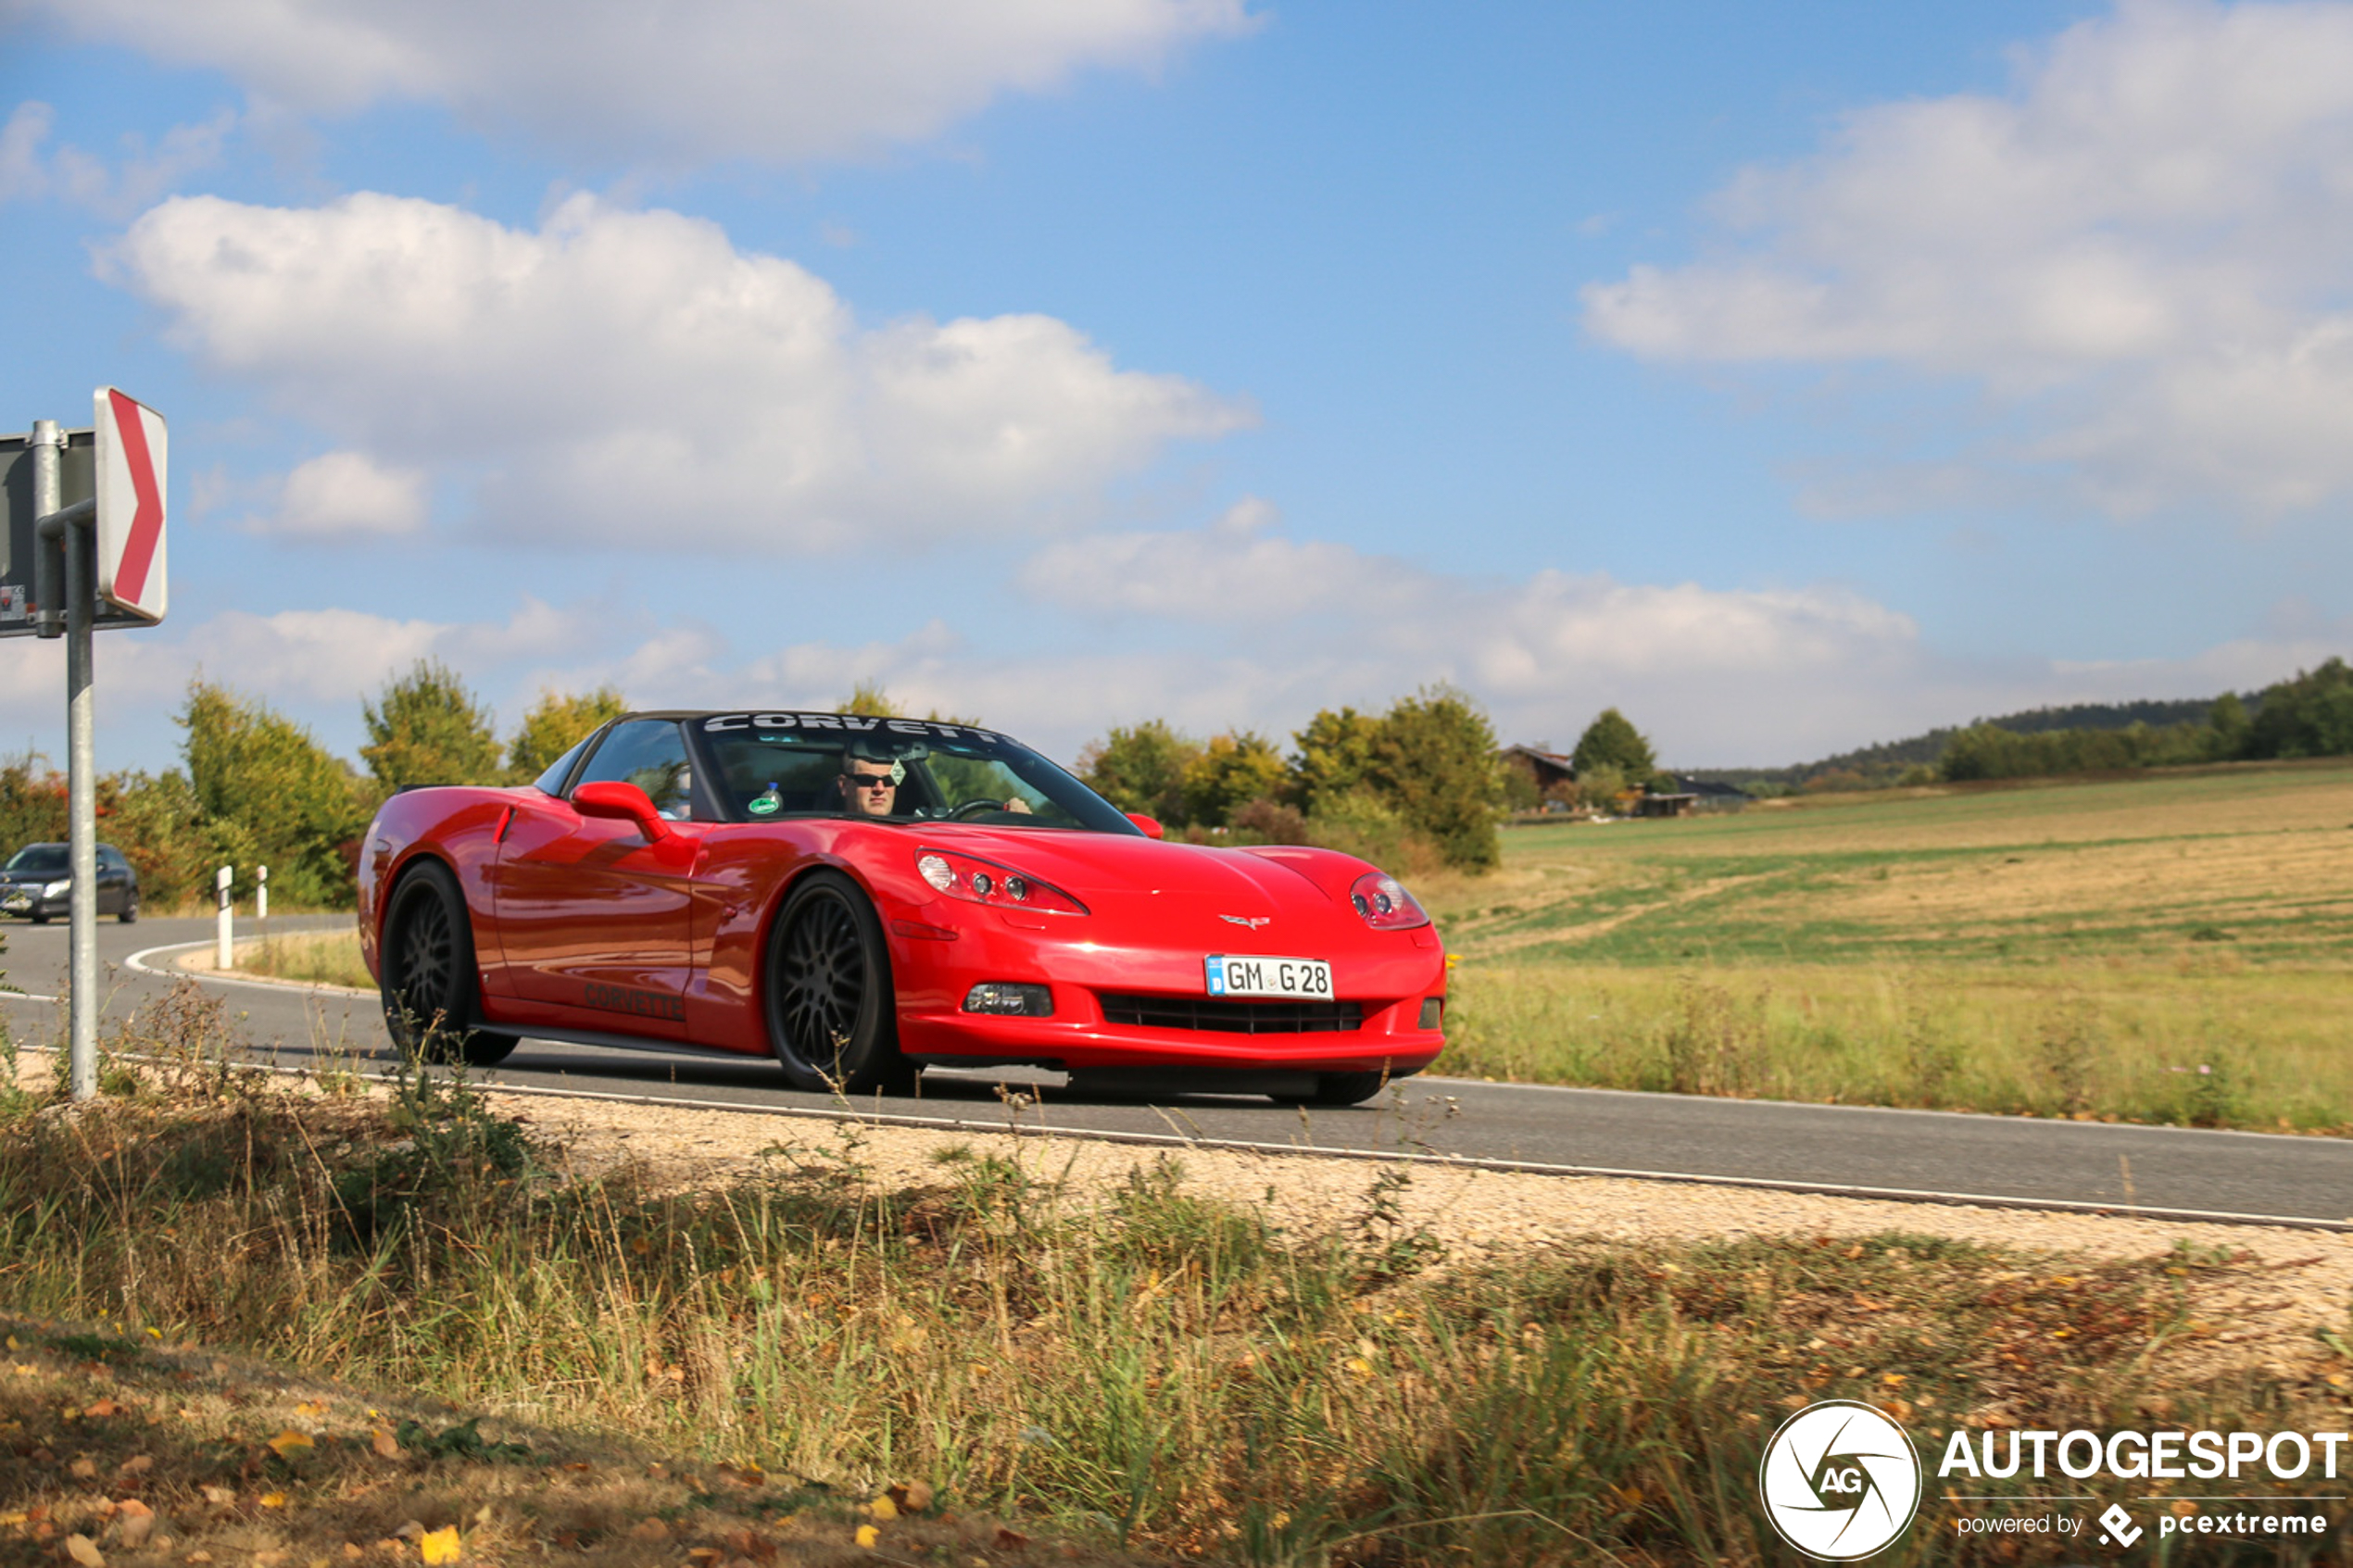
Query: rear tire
{"type": "Point", "coordinates": [431, 999]}
{"type": "Point", "coordinates": [832, 1017]}
{"type": "Point", "coordinates": [1340, 1088]}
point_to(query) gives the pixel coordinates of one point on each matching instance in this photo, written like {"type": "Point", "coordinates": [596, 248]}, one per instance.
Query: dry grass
{"type": "Point", "coordinates": [1142, 1365]}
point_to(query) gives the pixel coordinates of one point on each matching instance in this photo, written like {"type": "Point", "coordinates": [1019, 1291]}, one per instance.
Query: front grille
{"type": "Point", "coordinates": [1225, 1017]}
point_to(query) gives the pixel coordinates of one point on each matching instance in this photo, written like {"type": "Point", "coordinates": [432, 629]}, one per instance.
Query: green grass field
{"type": "Point", "coordinates": [2173, 947]}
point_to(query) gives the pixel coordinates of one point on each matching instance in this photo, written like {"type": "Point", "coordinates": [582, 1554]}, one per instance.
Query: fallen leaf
{"type": "Point", "coordinates": [84, 1550]}
{"type": "Point", "coordinates": [290, 1443]}
{"type": "Point", "coordinates": [353, 1548]}
{"type": "Point", "coordinates": [16, 1517]}
{"type": "Point", "coordinates": [867, 1536]}
{"type": "Point", "coordinates": [383, 1444]}
{"type": "Point", "coordinates": [137, 1523]}
{"type": "Point", "coordinates": [273, 1499]}
{"type": "Point", "coordinates": [83, 1469]}
{"type": "Point", "coordinates": [883, 1508]}
{"type": "Point", "coordinates": [440, 1546]}
{"type": "Point", "coordinates": [220, 1497]}
{"type": "Point", "coordinates": [310, 1409]}
{"type": "Point", "coordinates": [912, 1495]}
{"type": "Point", "coordinates": [138, 1464]}
{"type": "Point", "coordinates": [652, 1530]}
{"type": "Point", "coordinates": [410, 1531]}
{"type": "Point", "coordinates": [704, 1553]}
{"type": "Point", "coordinates": [1010, 1540]}
{"type": "Point", "coordinates": [104, 1408]}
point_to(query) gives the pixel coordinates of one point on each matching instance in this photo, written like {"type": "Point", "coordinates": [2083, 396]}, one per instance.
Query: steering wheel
{"type": "Point", "coordinates": [974, 809]}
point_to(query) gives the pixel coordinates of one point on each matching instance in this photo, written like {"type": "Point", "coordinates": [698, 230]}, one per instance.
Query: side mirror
{"type": "Point", "coordinates": [622, 802]}
{"type": "Point", "coordinates": [1149, 824]}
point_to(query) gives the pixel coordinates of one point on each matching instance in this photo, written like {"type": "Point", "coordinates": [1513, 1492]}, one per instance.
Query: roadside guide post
{"type": "Point", "coordinates": [261, 896]}
{"type": "Point", "coordinates": [221, 881]}
{"type": "Point", "coordinates": [68, 569]}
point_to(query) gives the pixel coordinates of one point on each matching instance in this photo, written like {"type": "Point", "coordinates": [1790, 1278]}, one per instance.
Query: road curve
{"type": "Point", "coordinates": [2164, 1172]}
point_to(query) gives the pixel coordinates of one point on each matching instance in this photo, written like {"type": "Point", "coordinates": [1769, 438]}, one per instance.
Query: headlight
{"type": "Point", "coordinates": [1385, 904]}
{"type": "Point", "coordinates": [52, 889]}
{"type": "Point", "coordinates": [985, 881]}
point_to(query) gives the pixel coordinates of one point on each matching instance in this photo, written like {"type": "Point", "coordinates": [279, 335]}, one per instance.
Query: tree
{"type": "Point", "coordinates": [1334, 757]}
{"type": "Point", "coordinates": [1435, 759]}
{"type": "Point", "coordinates": [2227, 728]}
{"type": "Point", "coordinates": [429, 729]}
{"type": "Point", "coordinates": [1612, 741]}
{"type": "Point", "coordinates": [869, 700]}
{"type": "Point", "coordinates": [263, 780]}
{"type": "Point", "coordinates": [2309, 716]}
{"type": "Point", "coordinates": [1229, 773]}
{"type": "Point", "coordinates": [556, 723]}
{"type": "Point", "coordinates": [1140, 769]}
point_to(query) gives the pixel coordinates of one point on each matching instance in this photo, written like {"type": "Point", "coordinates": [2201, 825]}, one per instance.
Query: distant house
{"type": "Point", "coordinates": [1549, 767]}
{"type": "Point", "coordinates": [1680, 805]}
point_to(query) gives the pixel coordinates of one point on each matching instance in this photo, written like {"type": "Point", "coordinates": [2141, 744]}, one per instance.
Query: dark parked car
{"type": "Point", "coordinates": [38, 881]}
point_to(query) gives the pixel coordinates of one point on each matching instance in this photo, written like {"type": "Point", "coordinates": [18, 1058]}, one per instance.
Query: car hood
{"type": "Point", "coordinates": [1094, 866]}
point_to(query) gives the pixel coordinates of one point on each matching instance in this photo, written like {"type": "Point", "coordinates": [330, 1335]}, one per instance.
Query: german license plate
{"type": "Point", "coordinates": [1237, 974]}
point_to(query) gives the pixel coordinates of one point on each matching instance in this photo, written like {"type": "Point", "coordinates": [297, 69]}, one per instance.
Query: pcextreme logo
{"type": "Point", "coordinates": [1839, 1480]}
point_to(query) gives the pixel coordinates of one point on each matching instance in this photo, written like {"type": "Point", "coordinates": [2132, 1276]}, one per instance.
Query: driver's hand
{"type": "Point", "coordinates": [1018, 806]}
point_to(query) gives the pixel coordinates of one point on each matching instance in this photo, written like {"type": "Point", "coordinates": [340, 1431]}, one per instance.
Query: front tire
{"type": "Point", "coordinates": [129, 913]}
{"type": "Point", "coordinates": [428, 973]}
{"type": "Point", "coordinates": [832, 1020]}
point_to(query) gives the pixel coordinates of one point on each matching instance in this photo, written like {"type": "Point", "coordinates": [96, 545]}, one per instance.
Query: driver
{"type": "Point", "coordinates": [869, 787]}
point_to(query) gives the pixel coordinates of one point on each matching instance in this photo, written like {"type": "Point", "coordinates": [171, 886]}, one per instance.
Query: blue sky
{"type": "Point", "coordinates": [1789, 377]}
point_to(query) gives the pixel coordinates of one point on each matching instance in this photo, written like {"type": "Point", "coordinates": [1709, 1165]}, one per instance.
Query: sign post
{"type": "Point", "coordinates": [68, 569]}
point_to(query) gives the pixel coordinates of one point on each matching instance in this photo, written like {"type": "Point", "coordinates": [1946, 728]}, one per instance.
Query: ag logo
{"type": "Point", "coordinates": [1840, 1481]}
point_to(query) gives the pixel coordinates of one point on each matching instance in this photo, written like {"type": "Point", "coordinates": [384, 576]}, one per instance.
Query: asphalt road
{"type": "Point", "coordinates": [1997, 1159]}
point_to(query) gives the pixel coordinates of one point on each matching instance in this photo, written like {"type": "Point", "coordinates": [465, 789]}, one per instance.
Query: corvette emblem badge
{"type": "Point", "coordinates": [1246, 919]}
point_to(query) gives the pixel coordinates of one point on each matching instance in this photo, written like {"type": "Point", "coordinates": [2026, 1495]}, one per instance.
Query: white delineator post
{"type": "Point", "coordinates": [220, 939]}
{"type": "Point", "coordinates": [261, 896]}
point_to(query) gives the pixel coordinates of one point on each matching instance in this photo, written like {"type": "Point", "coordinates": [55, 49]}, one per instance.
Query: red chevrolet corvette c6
{"type": "Point", "coordinates": [864, 897]}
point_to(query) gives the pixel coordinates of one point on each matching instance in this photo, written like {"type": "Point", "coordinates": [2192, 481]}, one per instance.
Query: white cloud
{"type": "Point", "coordinates": [1306, 624]}
{"type": "Point", "coordinates": [2137, 256]}
{"type": "Point", "coordinates": [616, 372]}
{"type": "Point", "coordinates": [696, 80]}
{"type": "Point", "coordinates": [115, 190]}
{"type": "Point", "coordinates": [348, 495]}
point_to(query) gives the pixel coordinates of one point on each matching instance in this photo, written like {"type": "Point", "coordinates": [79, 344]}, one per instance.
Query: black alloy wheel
{"type": "Point", "coordinates": [1337, 1089]}
{"type": "Point", "coordinates": [831, 1018]}
{"type": "Point", "coordinates": [129, 913]}
{"type": "Point", "coordinates": [428, 964]}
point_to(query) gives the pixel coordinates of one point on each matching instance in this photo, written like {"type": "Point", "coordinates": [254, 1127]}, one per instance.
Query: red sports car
{"type": "Point", "coordinates": [864, 898]}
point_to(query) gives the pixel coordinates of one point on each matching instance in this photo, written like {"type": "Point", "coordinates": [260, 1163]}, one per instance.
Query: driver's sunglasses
{"type": "Point", "coordinates": [871, 781]}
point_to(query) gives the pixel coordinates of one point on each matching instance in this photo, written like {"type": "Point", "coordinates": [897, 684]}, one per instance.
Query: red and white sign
{"type": "Point", "coordinates": [131, 444]}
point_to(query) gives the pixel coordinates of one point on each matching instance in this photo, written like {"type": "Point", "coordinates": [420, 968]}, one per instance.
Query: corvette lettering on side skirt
{"type": "Point", "coordinates": [645, 1004]}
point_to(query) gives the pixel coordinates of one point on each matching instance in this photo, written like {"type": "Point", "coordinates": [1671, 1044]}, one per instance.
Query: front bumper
{"type": "Point", "coordinates": [1097, 991]}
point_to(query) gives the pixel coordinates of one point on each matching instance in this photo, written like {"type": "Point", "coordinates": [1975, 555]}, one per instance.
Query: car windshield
{"type": "Point", "coordinates": [41, 860]}
{"type": "Point", "coordinates": [772, 765]}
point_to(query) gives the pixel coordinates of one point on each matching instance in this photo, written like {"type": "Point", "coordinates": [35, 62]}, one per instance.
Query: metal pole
{"type": "Point", "coordinates": [82, 770]}
{"type": "Point", "coordinates": [221, 934]}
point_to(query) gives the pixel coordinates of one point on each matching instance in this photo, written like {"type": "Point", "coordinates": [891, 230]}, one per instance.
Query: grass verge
{"type": "Point", "coordinates": [2248, 1048]}
{"type": "Point", "coordinates": [1141, 1370]}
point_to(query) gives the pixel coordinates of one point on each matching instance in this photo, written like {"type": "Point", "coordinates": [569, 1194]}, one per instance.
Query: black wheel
{"type": "Point", "coordinates": [830, 1014]}
{"type": "Point", "coordinates": [129, 913]}
{"type": "Point", "coordinates": [428, 973]}
{"type": "Point", "coordinates": [1338, 1088]}
{"type": "Point", "coordinates": [40, 917]}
